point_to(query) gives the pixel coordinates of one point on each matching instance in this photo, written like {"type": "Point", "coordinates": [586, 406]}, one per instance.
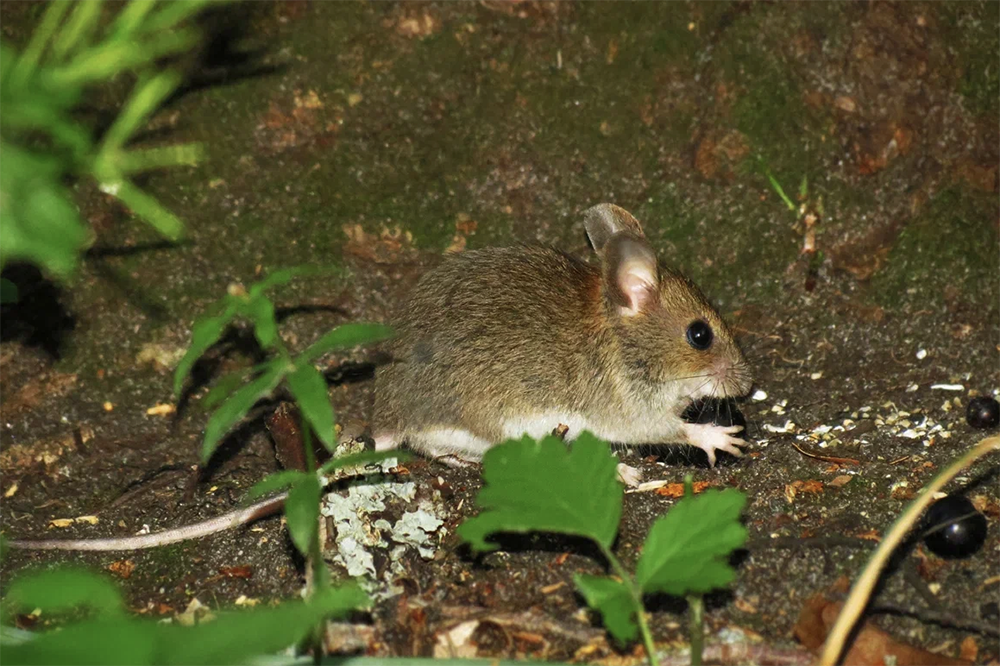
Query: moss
{"type": "Point", "coordinates": [974, 29]}
{"type": "Point", "coordinates": [769, 107]}
{"type": "Point", "coordinates": [952, 244]}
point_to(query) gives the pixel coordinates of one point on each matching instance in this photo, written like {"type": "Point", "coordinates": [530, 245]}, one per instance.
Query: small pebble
{"type": "Point", "coordinates": [983, 412]}
{"type": "Point", "coordinates": [922, 354]}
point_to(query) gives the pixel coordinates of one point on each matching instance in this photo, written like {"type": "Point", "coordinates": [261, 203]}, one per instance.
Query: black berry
{"type": "Point", "coordinates": [983, 412]}
{"type": "Point", "coordinates": [953, 528]}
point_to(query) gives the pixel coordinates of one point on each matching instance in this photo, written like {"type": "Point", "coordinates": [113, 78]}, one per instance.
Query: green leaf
{"type": "Point", "coordinates": [275, 481]}
{"type": "Point", "coordinates": [146, 97]}
{"type": "Point", "coordinates": [146, 159]}
{"type": "Point", "coordinates": [302, 512]}
{"type": "Point", "coordinates": [309, 390]}
{"type": "Point", "coordinates": [104, 641]}
{"type": "Point", "coordinates": [274, 279]}
{"type": "Point", "coordinates": [260, 310]}
{"type": "Point", "coordinates": [206, 333]}
{"type": "Point", "coordinates": [234, 638]}
{"type": "Point", "coordinates": [130, 18]}
{"type": "Point", "coordinates": [239, 403]}
{"type": "Point", "coordinates": [109, 58]}
{"type": "Point", "coordinates": [77, 29]}
{"type": "Point", "coordinates": [345, 337]}
{"type": "Point", "coordinates": [25, 65]}
{"type": "Point", "coordinates": [61, 590]}
{"type": "Point", "coordinates": [145, 207]}
{"type": "Point", "coordinates": [614, 601]}
{"type": "Point", "coordinates": [224, 388]}
{"type": "Point", "coordinates": [686, 551]}
{"type": "Point", "coordinates": [543, 487]}
{"type": "Point", "coordinates": [360, 459]}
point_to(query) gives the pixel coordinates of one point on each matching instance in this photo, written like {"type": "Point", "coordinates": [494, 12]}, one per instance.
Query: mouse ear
{"type": "Point", "coordinates": [605, 220]}
{"type": "Point", "coordinates": [631, 274]}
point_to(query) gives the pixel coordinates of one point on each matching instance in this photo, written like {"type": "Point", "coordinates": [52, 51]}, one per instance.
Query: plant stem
{"type": "Point", "coordinates": [696, 606]}
{"type": "Point", "coordinates": [320, 574]}
{"type": "Point", "coordinates": [636, 594]}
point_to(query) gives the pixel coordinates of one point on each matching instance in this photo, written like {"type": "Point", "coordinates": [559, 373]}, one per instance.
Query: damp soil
{"type": "Point", "coordinates": [373, 139]}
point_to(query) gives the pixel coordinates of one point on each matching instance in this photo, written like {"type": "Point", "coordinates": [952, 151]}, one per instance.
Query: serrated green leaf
{"type": "Point", "coordinates": [362, 458]}
{"type": "Point", "coordinates": [272, 482]}
{"type": "Point", "coordinates": [614, 601]}
{"type": "Point", "coordinates": [309, 389]}
{"type": "Point", "coordinates": [345, 337]}
{"type": "Point", "coordinates": [239, 403]}
{"type": "Point", "coordinates": [206, 333]}
{"type": "Point", "coordinates": [543, 487]}
{"type": "Point", "coordinates": [686, 551]}
{"type": "Point", "coordinates": [302, 512]}
{"type": "Point", "coordinates": [61, 590]}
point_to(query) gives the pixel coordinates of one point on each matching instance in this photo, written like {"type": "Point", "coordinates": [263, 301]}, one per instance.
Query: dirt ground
{"type": "Point", "coordinates": [375, 138]}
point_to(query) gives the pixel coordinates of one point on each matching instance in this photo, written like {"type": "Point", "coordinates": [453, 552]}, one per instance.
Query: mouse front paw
{"type": "Point", "coordinates": [711, 438]}
{"type": "Point", "coordinates": [630, 476]}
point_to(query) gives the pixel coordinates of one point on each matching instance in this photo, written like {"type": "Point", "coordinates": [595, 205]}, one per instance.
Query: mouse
{"type": "Point", "coordinates": [498, 343]}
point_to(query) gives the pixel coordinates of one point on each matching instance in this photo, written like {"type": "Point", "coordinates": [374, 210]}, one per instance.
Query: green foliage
{"type": "Point", "coordinates": [540, 486]}
{"type": "Point", "coordinates": [114, 638]}
{"type": "Point", "coordinates": [42, 143]}
{"type": "Point", "coordinates": [614, 601]}
{"type": "Point", "coordinates": [686, 550]}
{"type": "Point", "coordinates": [569, 491]}
{"type": "Point", "coordinates": [304, 381]}
{"type": "Point", "coordinates": [302, 511]}
{"type": "Point", "coordinates": [62, 590]}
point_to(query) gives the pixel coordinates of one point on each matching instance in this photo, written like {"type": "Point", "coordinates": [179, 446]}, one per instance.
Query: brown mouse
{"type": "Point", "coordinates": [501, 342]}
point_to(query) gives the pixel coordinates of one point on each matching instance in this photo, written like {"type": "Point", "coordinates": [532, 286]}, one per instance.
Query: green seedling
{"type": "Point", "coordinates": [43, 144]}
{"type": "Point", "coordinates": [541, 486]}
{"type": "Point", "coordinates": [235, 395]}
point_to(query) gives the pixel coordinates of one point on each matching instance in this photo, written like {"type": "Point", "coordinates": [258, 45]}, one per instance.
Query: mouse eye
{"type": "Point", "coordinates": [699, 335]}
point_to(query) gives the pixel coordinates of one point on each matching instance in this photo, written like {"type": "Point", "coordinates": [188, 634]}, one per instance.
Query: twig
{"type": "Point", "coordinates": [945, 619]}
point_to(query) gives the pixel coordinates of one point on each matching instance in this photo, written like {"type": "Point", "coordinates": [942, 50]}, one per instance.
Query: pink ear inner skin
{"type": "Point", "coordinates": [637, 283]}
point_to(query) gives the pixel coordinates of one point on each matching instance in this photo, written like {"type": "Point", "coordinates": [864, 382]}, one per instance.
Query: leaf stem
{"type": "Point", "coordinates": [636, 594]}
{"type": "Point", "coordinates": [696, 606]}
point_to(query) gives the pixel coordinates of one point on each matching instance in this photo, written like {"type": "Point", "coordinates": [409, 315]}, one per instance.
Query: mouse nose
{"type": "Point", "coordinates": [733, 378]}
